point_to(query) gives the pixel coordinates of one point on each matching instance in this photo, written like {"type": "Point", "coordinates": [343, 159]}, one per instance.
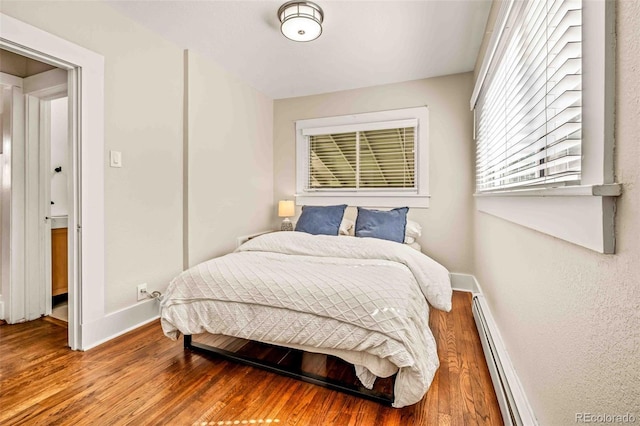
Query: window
{"type": "Point", "coordinates": [373, 159]}
{"type": "Point", "coordinates": [529, 113]}
{"type": "Point", "coordinates": [367, 159]}
{"type": "Point", "coordinates": [543, 104]}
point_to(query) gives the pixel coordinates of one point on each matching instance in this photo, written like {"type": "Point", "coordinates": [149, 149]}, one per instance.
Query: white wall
{"type": "Point", "coordinates": [570, 317]}
{"type": "Point", "coordinates": [230, 159]}
{"type": "Point", "coordinates": [59, 144]}
{"type": "Point", "coordinates": [447, 222]}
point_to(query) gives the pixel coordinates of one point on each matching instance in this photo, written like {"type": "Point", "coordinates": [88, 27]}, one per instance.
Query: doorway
{"type": "Point", "coordinates": [85, 83]}
{"type": "Point", "coordinates": [35, 244]}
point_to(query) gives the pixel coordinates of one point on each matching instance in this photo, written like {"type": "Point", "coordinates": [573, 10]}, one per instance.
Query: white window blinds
{"type": "Point", "coordinates": [528, 112]}
{"type": "Point", "coordinates": [363, 159]}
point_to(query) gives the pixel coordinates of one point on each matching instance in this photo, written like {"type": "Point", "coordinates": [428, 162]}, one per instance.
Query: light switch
{"type": "Point", "coordinates": [116, 158]}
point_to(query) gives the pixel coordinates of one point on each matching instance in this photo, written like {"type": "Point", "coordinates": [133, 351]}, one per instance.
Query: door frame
{"type": "Point", "coordinates": [86, 209]}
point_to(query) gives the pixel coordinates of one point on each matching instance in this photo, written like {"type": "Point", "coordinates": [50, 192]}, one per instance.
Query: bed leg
{"type": "Point", "coordinates": [187, 341]}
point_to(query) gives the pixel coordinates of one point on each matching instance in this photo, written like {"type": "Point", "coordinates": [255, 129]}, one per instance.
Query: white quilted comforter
{"type": "Point", "coordinates": [362, 299]}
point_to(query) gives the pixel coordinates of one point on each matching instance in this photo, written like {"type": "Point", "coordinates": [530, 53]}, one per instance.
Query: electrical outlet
{"type": "Point", "coordinates": [142, 291]}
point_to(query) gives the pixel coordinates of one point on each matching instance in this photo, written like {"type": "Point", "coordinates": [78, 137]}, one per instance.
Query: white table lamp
{"type": "Point", "coordinates": [286, 209]}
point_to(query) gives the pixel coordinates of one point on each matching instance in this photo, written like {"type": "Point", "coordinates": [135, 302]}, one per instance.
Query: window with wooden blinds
{"type": "Point", "coordinates": [371, 159]}
{"type": "Point", "coordinates": [544, 102]}
{"type": "Point", "coordinates": [529, 109]}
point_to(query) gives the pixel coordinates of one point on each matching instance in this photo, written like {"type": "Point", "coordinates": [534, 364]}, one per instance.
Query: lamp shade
{"type": "Point", "coordinates": [286, 208]}
{"type": "Point", "coordinates": [301, 20]}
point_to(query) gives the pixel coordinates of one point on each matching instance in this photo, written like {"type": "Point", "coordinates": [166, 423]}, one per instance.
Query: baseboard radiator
{"type": "Point", "coordinates": [514, 406]}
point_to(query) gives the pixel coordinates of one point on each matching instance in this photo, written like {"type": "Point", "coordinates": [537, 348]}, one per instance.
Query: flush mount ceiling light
{"type": "Point", "coordinates": [301, 20]}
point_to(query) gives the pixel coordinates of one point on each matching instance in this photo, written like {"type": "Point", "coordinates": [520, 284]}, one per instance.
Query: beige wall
{"type": "Point", "coordinates": [230, 160]}
{"type": "Point", "coordinates": [446, 223]}
{"type": "Point", "coordinates": [230, 147]}
{"type": "Point", "coordinates": [570, 317]}
{"type": "Point", "coordinates": [143, 120]}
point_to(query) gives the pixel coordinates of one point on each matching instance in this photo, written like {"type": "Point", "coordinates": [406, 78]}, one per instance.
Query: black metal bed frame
{"type": "Point", "coordinates": [295, 372]}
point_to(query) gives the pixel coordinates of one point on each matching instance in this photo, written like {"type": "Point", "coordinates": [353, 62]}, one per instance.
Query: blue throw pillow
{"type": "Point", "coordinates": [321, 220]}
{"type": "Point", "coordinates": [386, 225]}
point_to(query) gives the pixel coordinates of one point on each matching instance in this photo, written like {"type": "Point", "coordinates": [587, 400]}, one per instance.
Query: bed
{"type": "Point", "coordinates": [364, 300]}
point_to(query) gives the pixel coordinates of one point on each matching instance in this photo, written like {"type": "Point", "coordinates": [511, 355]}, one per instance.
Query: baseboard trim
{"type": "Point", "coordinates": [514, 405]}
{"type": "Point", "coordinates": [118, 323]}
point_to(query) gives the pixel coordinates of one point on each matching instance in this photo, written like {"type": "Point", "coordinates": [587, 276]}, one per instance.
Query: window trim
{"type": "Point", "coordinates": [391, 197]}
{"type": "Point", "coordinates": [583, 215]}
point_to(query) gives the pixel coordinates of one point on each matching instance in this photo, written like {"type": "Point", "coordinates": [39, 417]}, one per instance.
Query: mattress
{"type": "Point", "coordinates": [363, 299]}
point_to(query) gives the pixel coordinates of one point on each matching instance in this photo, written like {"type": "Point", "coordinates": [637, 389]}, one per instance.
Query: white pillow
{"type": "Point", "coordinates": [345, 226]}
{"type": "Point", "coordinates": [416, 246]}
{"type": "Point", "coordinates": [413, 230]}
{"type": "Point", "coordinates": [409, 240]}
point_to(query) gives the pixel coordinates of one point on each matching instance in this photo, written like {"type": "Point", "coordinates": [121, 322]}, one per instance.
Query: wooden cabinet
{"type": "Point", "coordinates": [59, 261]}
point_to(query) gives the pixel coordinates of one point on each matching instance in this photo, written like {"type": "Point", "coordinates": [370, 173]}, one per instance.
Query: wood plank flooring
{"type": "Point", "coordinates": [143, 378]}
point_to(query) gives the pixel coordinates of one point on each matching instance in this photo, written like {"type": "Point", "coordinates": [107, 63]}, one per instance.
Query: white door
{"type": "Point", "coordinates": [12, 193]}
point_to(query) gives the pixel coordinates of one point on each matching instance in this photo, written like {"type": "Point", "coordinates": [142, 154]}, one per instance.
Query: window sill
{"type": "Point", "coordinates": [360, 200]}
{"type": "Point", "coordinates": [583, 215]}
{"type": "Point", "coordinates": [608, 190]}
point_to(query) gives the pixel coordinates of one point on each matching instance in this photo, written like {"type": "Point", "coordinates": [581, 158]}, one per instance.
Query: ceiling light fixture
{"type": "Point", "coordinates": [301, 20]}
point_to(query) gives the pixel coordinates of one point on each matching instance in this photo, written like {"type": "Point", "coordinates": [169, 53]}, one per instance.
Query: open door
{"type": "Point", "coordinates": [12, 193]}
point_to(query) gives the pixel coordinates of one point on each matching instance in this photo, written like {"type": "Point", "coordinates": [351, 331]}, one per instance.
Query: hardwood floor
{"type": "Point", "coordinates": [143, 378]}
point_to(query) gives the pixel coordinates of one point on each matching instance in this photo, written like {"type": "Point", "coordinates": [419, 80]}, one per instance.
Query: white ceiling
{"type": "Point", "coordinates": [364, 43]}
